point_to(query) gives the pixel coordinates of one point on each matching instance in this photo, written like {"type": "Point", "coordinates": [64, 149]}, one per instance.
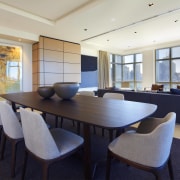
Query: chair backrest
{"type": "Point", "coordinates": [161, 136]}
{"type": "Point", "coordinates": [157, 87]}
{"type": "Point", "coordinates": [87, 93]}
{"type": "Point", "coordinates": [125, 84]}
{"type": "Point", "coordinates": [10, 122]}
{"type": "Point", "coordinates": [114, 96]}
{"type": "Point", "coordinates": [37, 136]}
{"type": "Point", "coordinates": [0, 120]}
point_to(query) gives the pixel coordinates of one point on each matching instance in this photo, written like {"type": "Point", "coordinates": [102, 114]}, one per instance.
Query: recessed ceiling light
{"type": "Point", "coordinates": [135, 32]}
{"type": "Point", "coordinates": [113, 19]}
{"type": "Point", "coordinates": [150, 4]}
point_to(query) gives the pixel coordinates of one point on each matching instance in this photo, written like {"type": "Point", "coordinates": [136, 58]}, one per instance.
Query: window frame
{"type": "Point", "coordinates": [122, 63]}
{"type": "Point", "coordinates": [170, 59]}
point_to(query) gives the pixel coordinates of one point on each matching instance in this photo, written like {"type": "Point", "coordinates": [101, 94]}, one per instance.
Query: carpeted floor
{"type": "Point", "coordinates": [72, 168]}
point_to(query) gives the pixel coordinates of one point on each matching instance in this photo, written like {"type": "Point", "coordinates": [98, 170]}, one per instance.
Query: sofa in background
{"type": "Point", "coordinates": [166, 102]}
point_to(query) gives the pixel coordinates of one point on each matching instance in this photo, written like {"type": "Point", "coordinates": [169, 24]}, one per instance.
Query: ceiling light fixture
{"type": "Point", "coordinates": [85, 29]}
{"type": "Point", "coordinates": [132, 24]}
{"type": "Point", "coordinates": [150, 4]}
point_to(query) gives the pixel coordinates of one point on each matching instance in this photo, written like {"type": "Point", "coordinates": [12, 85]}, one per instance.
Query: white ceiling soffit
{"type": "Point", "coordinates": [107, 24]}
{"type": "Point", "coordinates": [16, 8]}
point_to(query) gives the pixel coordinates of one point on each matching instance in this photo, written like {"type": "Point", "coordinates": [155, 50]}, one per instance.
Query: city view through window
{"type": "Point", "coordinates": [168, 67]}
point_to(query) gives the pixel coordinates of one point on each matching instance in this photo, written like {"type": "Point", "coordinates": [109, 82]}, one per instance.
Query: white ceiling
{"type": "Point", "coordinates": [110, 24]}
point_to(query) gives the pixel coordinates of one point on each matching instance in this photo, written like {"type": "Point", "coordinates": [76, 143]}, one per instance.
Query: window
{"type": "Point", "coordinates": [126, 71]}
{"type": "Point", "coordinates": [168, 67]}
{"type": "Point", "coordinates": [10, 69]}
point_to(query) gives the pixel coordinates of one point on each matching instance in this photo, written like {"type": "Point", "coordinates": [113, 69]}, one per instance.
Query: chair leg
{"type": "Point", "coordinates": [73, 123]}
{"type": "Point", "coordinates": [61, 123]}
{"type": "Point", "coordinates": [103, 132]}
{"type": "Point", "coordinates": [157, 174]}
{"type": "Point", "coordinates": [45, 171]}
{"type": "Point", "coordinates": [3, 145]}
{"type": "Point", "coordinates": [171, 174]}
{"type": "Point", "coordinates": [56, 121]}
{"type": "Point", "coordinates": [94, 129]}
{"type": "Point", "coordinates": [110, 135]}
{"type": "Point", "coordinates": [108, 166]}
{"type": "Point", "coordinates": [13, 161]}
{"type": "Point", "coordinates": [1, 129]}
{"type": "Point", "coordinates": [78, 127]}
{"type": "Point", "coordinates": [24, 165]}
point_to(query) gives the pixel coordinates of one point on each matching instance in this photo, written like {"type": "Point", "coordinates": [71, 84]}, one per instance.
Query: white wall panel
{"type": "Point", "coordinates": [72, 68]}
{"type": "Point", "coordinates": [53, 67]}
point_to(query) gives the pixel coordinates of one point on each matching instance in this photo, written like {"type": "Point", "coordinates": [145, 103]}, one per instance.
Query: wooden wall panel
{"type": "Point", "coordinates": [55, 61]}
{"type": "Point", "coordinates": [71, 68]}
{"type": "Point", "coordinates": [53, 44]}
{"type": "Point", "coordinates": [72, 58]}
{"type": "Point", "coordinates": [53, 67]}
{"type": "Point", "coordinates": [72, 48]}
{"type": "Point", "coordinates": [53, 56]}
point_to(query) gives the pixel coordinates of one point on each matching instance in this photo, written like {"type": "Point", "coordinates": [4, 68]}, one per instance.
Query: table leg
{"type": "Point", "coordinates": [87, 151]}
{"type": "Point", "coordinates": [14, 107]}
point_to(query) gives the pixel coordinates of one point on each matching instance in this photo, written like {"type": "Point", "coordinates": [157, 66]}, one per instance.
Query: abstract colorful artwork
{"type": "Point", "coordinates": [10, 69]}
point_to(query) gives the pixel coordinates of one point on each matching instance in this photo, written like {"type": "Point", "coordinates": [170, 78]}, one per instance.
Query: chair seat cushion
{"type": "Point", "coordinates": [66, 141]}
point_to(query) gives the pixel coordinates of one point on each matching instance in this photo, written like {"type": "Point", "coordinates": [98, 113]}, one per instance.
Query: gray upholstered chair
{"type": "Point", "coordinates": [148, 148]}
{"type": "Point", "coordinates": [47, 146]}
{"type": "Point", "coordinates": [114, 96]}
{"type": "Point", "coordinates": [110, 95]}
{"type": "Point", "coordinates": [1, 127]}
{"type": "Point", "coordinates": [86, 93]}
{"type": "Point", "coordinates": [12, 131]}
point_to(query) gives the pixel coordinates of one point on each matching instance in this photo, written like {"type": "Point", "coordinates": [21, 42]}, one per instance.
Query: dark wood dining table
{"type": "Point", "coordinates": [101, 112]}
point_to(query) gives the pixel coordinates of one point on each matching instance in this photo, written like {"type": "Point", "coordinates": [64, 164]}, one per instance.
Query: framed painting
{"type": "Point", "coordinates": [10, 69]}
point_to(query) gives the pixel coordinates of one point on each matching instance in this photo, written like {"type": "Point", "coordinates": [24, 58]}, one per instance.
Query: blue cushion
{"type": "Point", "coordinates": [175, 91]}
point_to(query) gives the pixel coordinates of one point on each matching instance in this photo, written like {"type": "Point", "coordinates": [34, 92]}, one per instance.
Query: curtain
{"type": "Point", "coordinates": [103, 69]}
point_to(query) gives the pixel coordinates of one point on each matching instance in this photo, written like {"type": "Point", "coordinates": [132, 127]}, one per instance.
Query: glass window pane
{"type": "Point", "coordinates": [112, 66]}
{"type": "Point", "coordinates": [175, 52]}
{"type": "Point", "coordinates": [162, 53]}
{"type": "Point", "coordinates": [131, 85]}
{"type": "Point", "coordinates": [118, 75]}
{"type": "Point", "coordinates": [128, 72]}
{"type": "Point", "coordinates": [138, 57]}
{"type": "Point", "coordinates": [118, 59]}
{"type": "Point", "coordinates": [128, 59]}
{"type": "Point", "coordinates": [162, 71]}
{"type": "Point", "coordinates": [175, 70]}
{"type": "Point", "coordinates": [139, 86]}
{"type": "Point", "coordinates": [166, 86]}
{"type": "Point", "coordinates": [111, 58]}
{"type": "Point", "coordinates": [138, 71]}
{"type": "Point", "coordinates": [174, 85]}
{"type": "Point", "coordinates": [117, 84]}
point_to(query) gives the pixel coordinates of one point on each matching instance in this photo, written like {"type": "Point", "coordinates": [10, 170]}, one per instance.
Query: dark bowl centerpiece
{"type": "Point", "coordinates": [66, 90]}
{"type": "Point", "coordinates": [46, 91]}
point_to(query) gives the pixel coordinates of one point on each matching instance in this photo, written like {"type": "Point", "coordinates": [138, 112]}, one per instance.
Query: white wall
{"type": "Point", "coordinates": [27, 62]}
